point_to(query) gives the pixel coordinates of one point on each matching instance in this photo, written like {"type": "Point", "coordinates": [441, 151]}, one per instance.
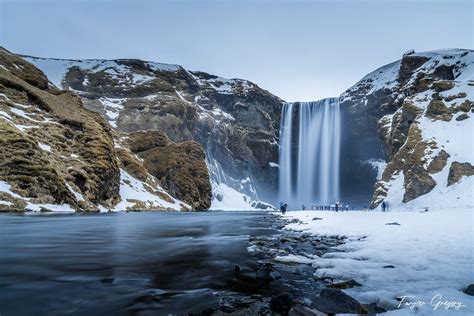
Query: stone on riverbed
{"type": "Point", "coordinates": [282, 303]}
{"type": "Point", "coordinates": [336, 301]}
{"type": "Point", "coordinates": [344, 285]}
{"type": "Point", "coordinates": [300, 310]}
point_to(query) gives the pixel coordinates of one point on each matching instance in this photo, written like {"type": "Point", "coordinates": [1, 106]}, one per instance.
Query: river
{"type": "Point", "coordinates": [122, 263]}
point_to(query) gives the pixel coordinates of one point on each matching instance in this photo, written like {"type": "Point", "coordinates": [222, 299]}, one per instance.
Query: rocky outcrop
{"type": "Point", "coordinates": [57, 155]}
{"type": "Point", "coordinates": [410, 105]}
{"type": "Point", "coordinates": [52, 147]}
{"type": "Point", "coordinates": [459, 170]}
{"type": "Point", "coordinates": [235, 121]}
{"type": "Point", "coordinates": [180, 168]}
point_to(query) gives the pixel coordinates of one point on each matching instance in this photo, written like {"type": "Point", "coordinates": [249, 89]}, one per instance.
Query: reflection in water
{"type": "Point", "coordinates": [125, 263]}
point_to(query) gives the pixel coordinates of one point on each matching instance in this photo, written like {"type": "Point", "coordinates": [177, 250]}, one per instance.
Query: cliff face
{"type": "Point", "coordinates": [420, 107]}
{"type": "Point", "coordinates": [235, 121]}
{"type": "Point", "coordinates": [54, 152]}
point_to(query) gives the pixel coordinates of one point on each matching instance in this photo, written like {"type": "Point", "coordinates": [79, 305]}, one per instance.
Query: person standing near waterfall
{"type": "Point", "coordinates": [283, 207]}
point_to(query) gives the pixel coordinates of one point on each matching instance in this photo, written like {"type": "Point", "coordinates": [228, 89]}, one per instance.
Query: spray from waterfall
{"type": "Point", "coordinates": [309, 153]}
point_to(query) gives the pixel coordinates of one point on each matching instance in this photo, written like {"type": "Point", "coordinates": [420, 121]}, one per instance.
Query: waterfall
{"type": "Point", "coordinates": [309, 153]}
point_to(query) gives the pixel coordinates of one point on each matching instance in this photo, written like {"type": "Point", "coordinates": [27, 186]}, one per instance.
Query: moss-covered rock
{"type": "Point", "coordinates": [180, 168]}
{"type": "Point", "coordinates": [443, 85]}
{"type": "Point", "coordinates": [439, 162]}
{"type": "Point", "coordinates": [53, 147]}
{"type": "Point", "coordinates": [438, 110]}
{"type": "Point", "coordinates": [459, 170]}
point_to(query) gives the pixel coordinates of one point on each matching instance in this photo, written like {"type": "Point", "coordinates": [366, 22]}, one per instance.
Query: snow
{"type": "Point", "coordinates": [6, 203]}
{"type": "Point", "coordinates": [378, 165]}
{"type": "Point", "coordinates": [432, 253]}
{"type": "Point", "coordinates": [163, 67]}
{"type": "Point", "coordinates": [57, 208]}
{"type": "Point", "coordinates": [231, 199]}
{"type": "Point", "coordinates": [56, 69]}
{"type": "Point", "coordinates": [112, 107]}
{"type": "Point", "coordinates": [5, 115]}
{"type": "Point", "coordinates": [274, 165]}
{"type": "Point", "coordinates": [295, 259]}
{"type": "Point", "coordinates": [77, 195]}
{"type": "Point", "coordinates": [6, 188]}
{"type": "Point", "coordinates": [134, 189]}
{"type": "Point", "coordinates": [44, 147]}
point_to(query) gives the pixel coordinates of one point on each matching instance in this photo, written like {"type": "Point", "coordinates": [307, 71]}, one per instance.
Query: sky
{"type": "Point", "coordinates": [300, 50]}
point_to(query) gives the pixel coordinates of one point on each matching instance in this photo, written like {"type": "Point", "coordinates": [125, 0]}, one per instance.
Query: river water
{"type": "Point", "coordinates": [122, 263]}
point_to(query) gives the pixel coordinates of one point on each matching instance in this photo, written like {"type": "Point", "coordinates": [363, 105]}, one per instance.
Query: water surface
{"type": "Point", "coordinates": [121, 263]}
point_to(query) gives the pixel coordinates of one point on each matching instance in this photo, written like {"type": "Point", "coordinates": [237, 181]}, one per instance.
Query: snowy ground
{"type": "Point", "coordinates": [432, 254]}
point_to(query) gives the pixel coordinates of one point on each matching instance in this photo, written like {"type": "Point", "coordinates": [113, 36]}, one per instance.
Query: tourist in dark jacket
{"type": "Point", "coordinates": [283, 207]}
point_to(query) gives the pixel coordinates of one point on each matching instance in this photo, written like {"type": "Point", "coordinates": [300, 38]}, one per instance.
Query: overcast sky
{"type": "Point", "coordinates": [298, 50]}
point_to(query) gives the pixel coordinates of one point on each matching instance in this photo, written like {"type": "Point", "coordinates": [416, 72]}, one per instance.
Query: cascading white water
{"type": "Point", "coordinates": [309, 153]}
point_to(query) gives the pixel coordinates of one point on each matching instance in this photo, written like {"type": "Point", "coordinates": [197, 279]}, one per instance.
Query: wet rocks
{"type": "Point", "coordinates": [336, 301]}
{"type": "Point", "coordinates": [282, 303]}
{"type": "Point", "coordinates": [300, 310]}
{"type": "Point", "coordinates": [267, 273]}
{"type": "Point", "coordinates": [344, 285]}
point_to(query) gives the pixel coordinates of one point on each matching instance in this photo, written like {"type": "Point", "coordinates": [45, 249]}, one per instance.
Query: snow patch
{"type": "Point", "coordinates": [431, 253]}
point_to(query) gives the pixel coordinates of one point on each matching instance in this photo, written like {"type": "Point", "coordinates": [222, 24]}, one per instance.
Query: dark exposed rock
{"type": "Point", "coordinates": [344, 285]}
{"type": "Point", "coordinates": [373, 308]}
{"type": "Point", "coordinates": [393, 223]}
{"type": "Point", "coordinates": [469, 290]}
{"type": "Point", "coordinates": [282, 303]}
{"type": "Point", "coordinates": [417, 183]}
{"type": "Point", "coordinates": [462, 117]}
{"type": "Point", "coordinates": [389, 266]}
{"type": "Point", "coordinates": [267, 273]}
{"type": "Point", "coordinates": [408, 65]}
{"type": "Point", "coordinates": [336, 301]}
{"type": "Point", "coordinates": [459, 170]}
{"type": "Point", "coordinates": [444, 72]}
{"type": "Point", "coordinates": [300, 310]}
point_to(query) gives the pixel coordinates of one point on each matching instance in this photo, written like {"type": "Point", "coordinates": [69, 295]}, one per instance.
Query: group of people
{"type": "Point", "coordinates": [337, 206]}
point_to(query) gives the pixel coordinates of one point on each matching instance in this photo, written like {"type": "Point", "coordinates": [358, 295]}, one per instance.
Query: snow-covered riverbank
{"type": "Point", "coordinates": [425, 257]}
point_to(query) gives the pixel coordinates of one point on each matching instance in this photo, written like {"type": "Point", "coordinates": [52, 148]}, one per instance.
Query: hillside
{"type": "Point", "coordinates": [235, 121]}
{"type": "Point", "coordinates": [420, 107]}
{"type": "Point", "coordinates": [58, 155]}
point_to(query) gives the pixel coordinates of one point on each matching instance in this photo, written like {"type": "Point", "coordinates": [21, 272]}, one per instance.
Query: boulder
{"type": "Point", "coordinates": [180, 167]}
{"type": "Point", "coordinates": [282, 303]}
{"type": "Point", "coordinates": [300, 310]}
{"type": "Point", "coordinates": [336, 301]}
{"type": "Point", "coordinates": [469, 290]}
{"type": "Point", "coordinates": [459, 170]}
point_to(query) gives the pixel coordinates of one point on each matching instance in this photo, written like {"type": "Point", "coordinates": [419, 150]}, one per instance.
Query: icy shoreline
{"type": "Point", "coordinates": [421, 256]}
